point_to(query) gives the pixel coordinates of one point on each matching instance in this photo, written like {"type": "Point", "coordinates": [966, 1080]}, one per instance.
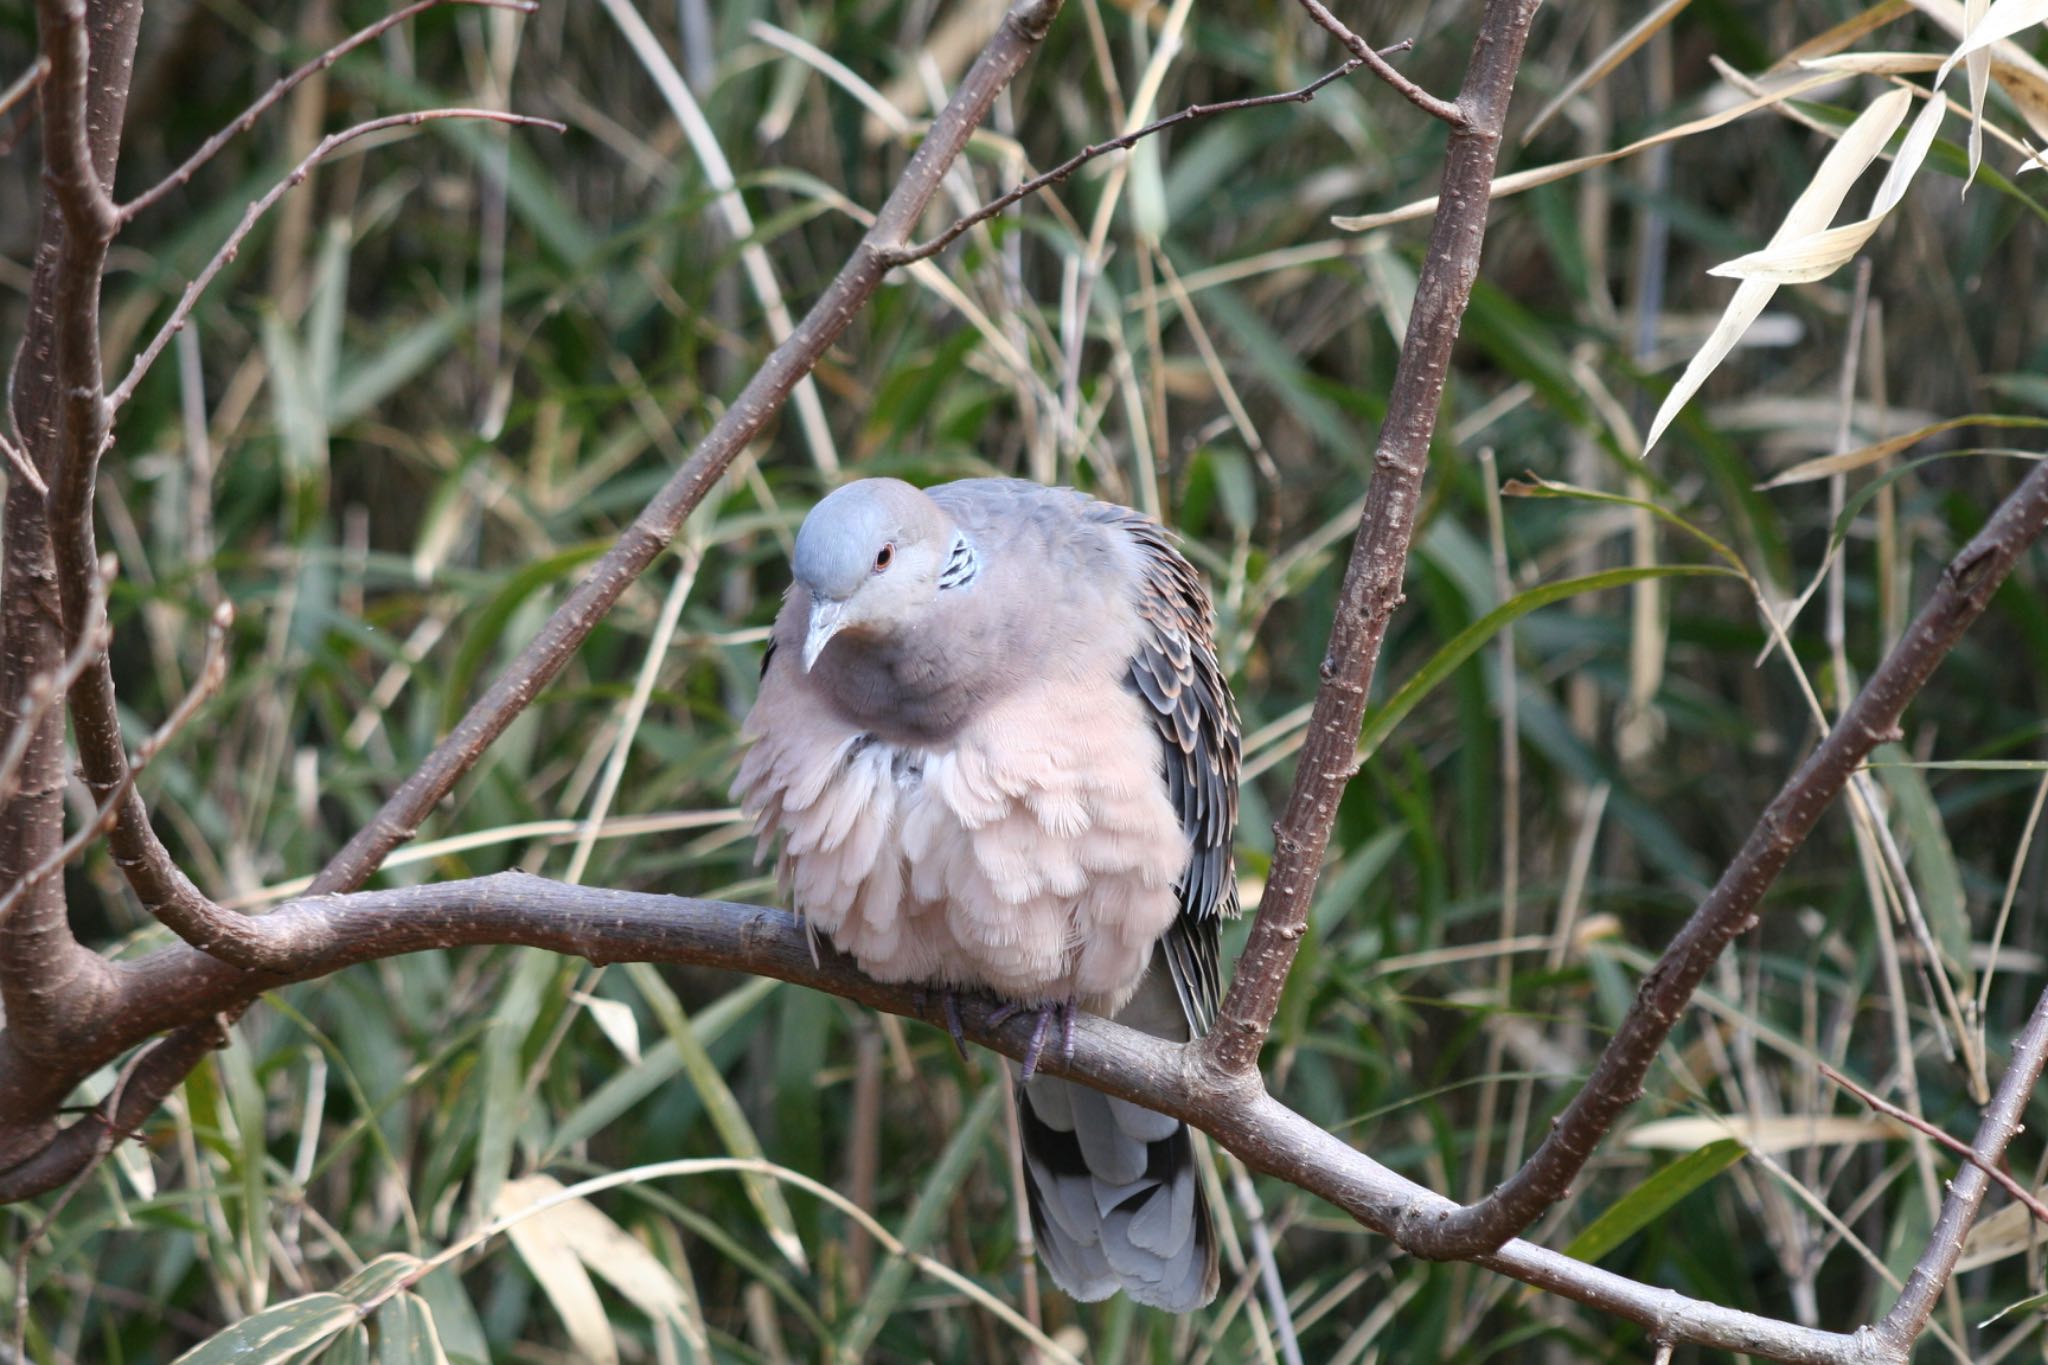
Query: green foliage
{"type": "Point", "coordinates": [439, 379]}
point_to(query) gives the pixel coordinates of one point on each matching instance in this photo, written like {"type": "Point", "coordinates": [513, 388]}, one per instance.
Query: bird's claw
{"type": "Point", "coordinates": [1062, 1010]}
{"type": "Point", "coordinates": [949, 1004]}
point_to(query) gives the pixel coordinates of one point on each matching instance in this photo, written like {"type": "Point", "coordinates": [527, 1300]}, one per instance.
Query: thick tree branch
{"type": "Point", "coordinates": [46, 976]}
{"type": "Point", "coordinates": [1964, 590]}
{"type": "Point", "coordinates": [46, 692]}
{"type": "Point", "coordinates": [320, 935]}
{"type": "Point", "coordinates": [1379, 555]}
{"type": "Point", "coordinates": [70, 168]}
{"type": "Point", "coordinates": [157, 1071]}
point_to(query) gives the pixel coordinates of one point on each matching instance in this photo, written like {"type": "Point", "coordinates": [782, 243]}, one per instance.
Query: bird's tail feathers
{"type": "Point", "coordinates": [1115, 1194]}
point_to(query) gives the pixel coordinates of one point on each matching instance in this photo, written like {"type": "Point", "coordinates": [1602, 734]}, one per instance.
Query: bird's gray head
{"type": "Point", "coordinates": [870, 555]}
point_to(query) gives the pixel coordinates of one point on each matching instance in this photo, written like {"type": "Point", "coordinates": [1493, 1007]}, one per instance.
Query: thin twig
{"type": "Point", "coordinates": [211, 674]}
{"type": "Point", "coordinates": [1955, 1144]}
{"type": "Point", "coordinates": [1451, 112]}
{"type": "Point", "coordinates": [211, 147]}
{"type": "Point", "coordinates": [126, 388]}
{"type": "Point", "coordinates": [919, 251]}
{"type": "Point", "coordinates": [162, 1067]}
{"type": "Point", "coordinates": [17, 460]}
{"type": "Point", "coordinates": [25, 84]}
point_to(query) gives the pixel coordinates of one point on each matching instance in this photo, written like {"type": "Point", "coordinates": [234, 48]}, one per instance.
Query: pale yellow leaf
{"type": "Point", "coordinates": [1906, 162]}
{"type": "Point", "coordinates": [2012, 66]}
{"type": "Point", "coordinates": [1998, 1236]}
{"type": "Point", "coordinates": [1771, 1135]}
{"type": "Point", "coordinates": [543, 1243]}
{"type": "Point", "coordinates": [1841, 35]}
{"type": "Point", "coordinates": [1506, 185]}
{"type": "Point", "coordinates": [1875, 63]}
{"type": "Point", "coordinates": [1859, 145]}
{"type": "Point", "coordinates": [2026, 85]}
{"type": "Point", "coordinates": [1845, 162]}
{"type": "Point", "coordinates": [1827, 466]}
{"type": "Point", "coordinates": [1978, 67]}
{"type": "Point", "coordinates": [1602, 66]}
{"type": "Point", "coordinates": [1820, 254]}
{"type": "Point", "coordinates": [1813, 257]}
{"type": "Point", "coordinates": [2000, 21]}
{"type": "Point", "coordinates": [616, 1020]}
{"type": "Point", "coordinates": [577, 1231]}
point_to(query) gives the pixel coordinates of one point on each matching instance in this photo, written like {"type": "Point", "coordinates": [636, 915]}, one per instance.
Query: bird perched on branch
{"type": "Point", "coordinates": [994, 740]}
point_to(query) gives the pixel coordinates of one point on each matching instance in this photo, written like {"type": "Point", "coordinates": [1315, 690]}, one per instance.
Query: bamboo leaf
{"type": "Point", "coordinates": [277, 1333]}
{"type": "Point", "coordinates": [723, 1108]}
{"type": "Point", "coordinates": [1810, 213]}
{"type": "Point", "coordinates": [1649, 1201]}
{"type": "Point", "coordinates": [1470, 640]}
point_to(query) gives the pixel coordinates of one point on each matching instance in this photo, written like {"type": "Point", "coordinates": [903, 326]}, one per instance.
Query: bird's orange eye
{"type": "Point", "coordinates": [885, 558]}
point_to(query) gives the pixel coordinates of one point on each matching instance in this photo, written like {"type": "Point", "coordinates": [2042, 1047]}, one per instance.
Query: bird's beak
{"type": "Point", "coordinates": [828, 618]}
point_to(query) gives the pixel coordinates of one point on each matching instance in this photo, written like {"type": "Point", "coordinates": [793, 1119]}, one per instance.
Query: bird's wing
{"type": "Point", "coordinates": [1175, 671]}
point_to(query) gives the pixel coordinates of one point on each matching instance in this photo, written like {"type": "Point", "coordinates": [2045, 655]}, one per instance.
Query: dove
{"type": "Point", "coordinates": [997, 752]}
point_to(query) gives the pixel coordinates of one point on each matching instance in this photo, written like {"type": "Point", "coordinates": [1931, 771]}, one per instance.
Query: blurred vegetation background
{"type": "Point", "coordinates": [444, 372]}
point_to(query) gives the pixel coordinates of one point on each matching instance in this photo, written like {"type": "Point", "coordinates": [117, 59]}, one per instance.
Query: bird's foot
{"type": "Point", "coordinates": [949, 1004]}
{"type": "Point", "coordinates": [1062, 1010]}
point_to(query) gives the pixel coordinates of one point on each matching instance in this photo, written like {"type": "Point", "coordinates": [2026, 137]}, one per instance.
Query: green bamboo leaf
{"type": "Point", "coordinates": [379, 1278]}
{"type": "Point", "coordinates": [246, 1102]}
{"type": "Point", "coordinates": [350, 1348]}
{"type": "Point", "coordinates": [1932, 861]}
{"type": "Point", "coordinates": [363, 380]}
{"type": "Point", "coordinates": [1468, 641]}
{"type": "Point", "coordinates": [277, 1333]}
{"type": "Point", "coordinates": [1987, 765]}
{"type": "Point", "coordinates": [1533, 487]}
{"type": "Point", "coordinates": [628, 1085]}
{"type": "Point", "coordinates": [723, 1108]}
{"type": "Point", "coordinates": [406, 1333]}
{"type": "Point", "coordinates": [2033, 1301]}
{"type": "Point", "coordinates": [934, 1198]}
{"type": "Point", "coordinates": [485, 635]}
{"type": "Point", "coordinates": [1650, 1200]}
{"type": "Point", "coordinates": [506, 1104]}
{"type": "Point", "coordinates": [456, 1326]}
